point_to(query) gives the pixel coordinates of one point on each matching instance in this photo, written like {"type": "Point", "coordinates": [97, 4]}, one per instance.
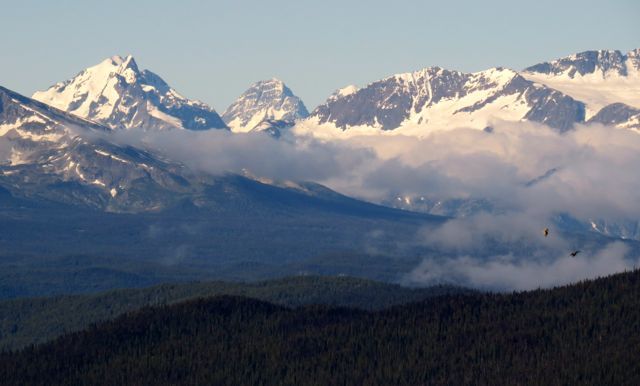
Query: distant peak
{"type": "Point", "coordinates": [499, 71]}
{"type": "Point", "coordinates": [121, 62]}
{"type": "Point", "coordinates": [344, 91]}
{"type": "Point", "coordinates": [268, 99]}
{"type": "Point", "coordinates": [601, 63]}
{"type": "Point", "coordinates": [117, 60]}
{"type": "Point", "coordinates": [268, 82]}
{"type": "Point", "coordinates": [117, 93]}
{"type": "Point", "coordinates": [129, 59]}
{"type": "Point", "coordinates": [428, 72]}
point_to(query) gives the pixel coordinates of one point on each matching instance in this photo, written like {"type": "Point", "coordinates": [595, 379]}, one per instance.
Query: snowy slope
{"type": "Point", "coordinates": [438, 99]}
{"type": "Point", "coordinates": [597, 78]}
{"type": "Point", "coordinates": [267, 100]}
{"type": "Point", "coordinates": [116, 93]}
{"type": "Point", "coordinates": [49, 154]}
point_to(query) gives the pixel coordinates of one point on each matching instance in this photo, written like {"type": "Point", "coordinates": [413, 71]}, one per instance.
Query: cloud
{"type": "Point", "coordinates": [507, 272]}
{"type": "Point", "coordinates": [219, 151]}
{"type": "Point", "coordinates": [518, 232]}
{"type": "Point", "coordinates": [595, 167]}
{"type": "Point", "coordinates": [529, 173]}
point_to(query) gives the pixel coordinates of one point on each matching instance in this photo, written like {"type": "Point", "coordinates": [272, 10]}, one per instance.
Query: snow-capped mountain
{"type": "Point", "coordinates": [49, 154]}
{"type": "Point", "coordinates": [267, 100]}
{"type": "Point", "coordinates": [435, 99]}
{"type": "Point", "coordinates": [597, 78]}
{"type": "Point", "coordinates": [118, 94]}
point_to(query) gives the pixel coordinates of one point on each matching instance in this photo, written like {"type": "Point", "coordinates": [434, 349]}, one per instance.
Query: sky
{"type": "Point", "coordinates": [213, 50]}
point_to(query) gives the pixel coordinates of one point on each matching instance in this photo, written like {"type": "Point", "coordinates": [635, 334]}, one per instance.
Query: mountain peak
{"type": "Point", "coordinates": [116, 93]}
{"type": "Point", "coordinates": [265, 100]}
{"type": "Point", "coordinates": [597, 77]}
{"type": "Point", "coordinates": [270, 81]}
{"type": "Point", "coordinates": [598, 63]}
{"type": "Point", "coordinates": [119, 60]}
{"type": "Point", "coordinates": [274, 84]}
{"type": "Point", "coordinates": [343, 92]}
{"type": "Point", "coordinates": [113, 65]}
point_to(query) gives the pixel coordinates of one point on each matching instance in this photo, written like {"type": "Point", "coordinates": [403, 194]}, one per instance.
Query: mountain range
{"type": "Point", "coordinates": [252, 279]}
{"type": "Point", "coordinates": [68, 187]}
{"type": "Point", "coordinates": [588, 87]}
{"type": "Point", "coordinates": [58, 146]}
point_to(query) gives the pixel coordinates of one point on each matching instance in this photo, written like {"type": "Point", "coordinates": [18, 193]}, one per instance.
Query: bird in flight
{"type": "Point", "coordinates": [546, 232]}
{"type": "Point", "coordinates": [574, 253]}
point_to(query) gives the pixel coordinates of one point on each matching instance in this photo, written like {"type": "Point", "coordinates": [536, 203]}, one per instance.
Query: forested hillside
{"type": "Point", "coordinates": [37, 320]}
{"type": "Point", "coordinates": [586, 333]}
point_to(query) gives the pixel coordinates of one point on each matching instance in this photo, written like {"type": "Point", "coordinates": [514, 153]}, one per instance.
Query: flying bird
{"type": "Point", "coordinates": [574, 253]}
{"type": "Point", "coordinates": [546, 232]}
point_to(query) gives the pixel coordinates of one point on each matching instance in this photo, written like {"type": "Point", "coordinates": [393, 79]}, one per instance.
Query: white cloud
{"type": "Point", "coordinates": [508, 272]}
{"type": "Point", "coordinates": [588, 173]}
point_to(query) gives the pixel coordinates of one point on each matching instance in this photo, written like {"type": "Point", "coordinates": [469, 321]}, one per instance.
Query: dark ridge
{"type": "Point", "coordinates": [27, 321]}
{"type": "Point", "coordinates": [586, 333]}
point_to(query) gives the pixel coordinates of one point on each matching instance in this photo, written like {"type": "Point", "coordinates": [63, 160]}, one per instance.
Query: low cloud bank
{"type": "Point", "coordinates": [529, 172]}
{"type": "Point", "coordinates": [511, 272]}
{"type": "Point", "coordinates": [590, 172]}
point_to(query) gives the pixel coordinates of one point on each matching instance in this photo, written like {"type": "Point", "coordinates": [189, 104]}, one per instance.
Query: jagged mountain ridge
{"type": "Point", "coordinates": [66, 189]}
{"type": "Point", "coordinates": [559, 94]}
{"type": "Point", "coordinates": [265, 101]}
{"type": "Point", "coordinates": [436, 98]}
{"type": "Point", "coordinates": [597, 78]}
{"type": "Point", "coordinates": [49, 154]}
{"type": "Point", "coordinates": [604, 63]}
{"type": "Point", "coordinates": [118, 94]}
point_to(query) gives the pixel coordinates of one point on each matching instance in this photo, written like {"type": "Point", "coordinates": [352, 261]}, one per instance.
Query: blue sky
{"type": "Point", "coordinates": [213, 50]}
